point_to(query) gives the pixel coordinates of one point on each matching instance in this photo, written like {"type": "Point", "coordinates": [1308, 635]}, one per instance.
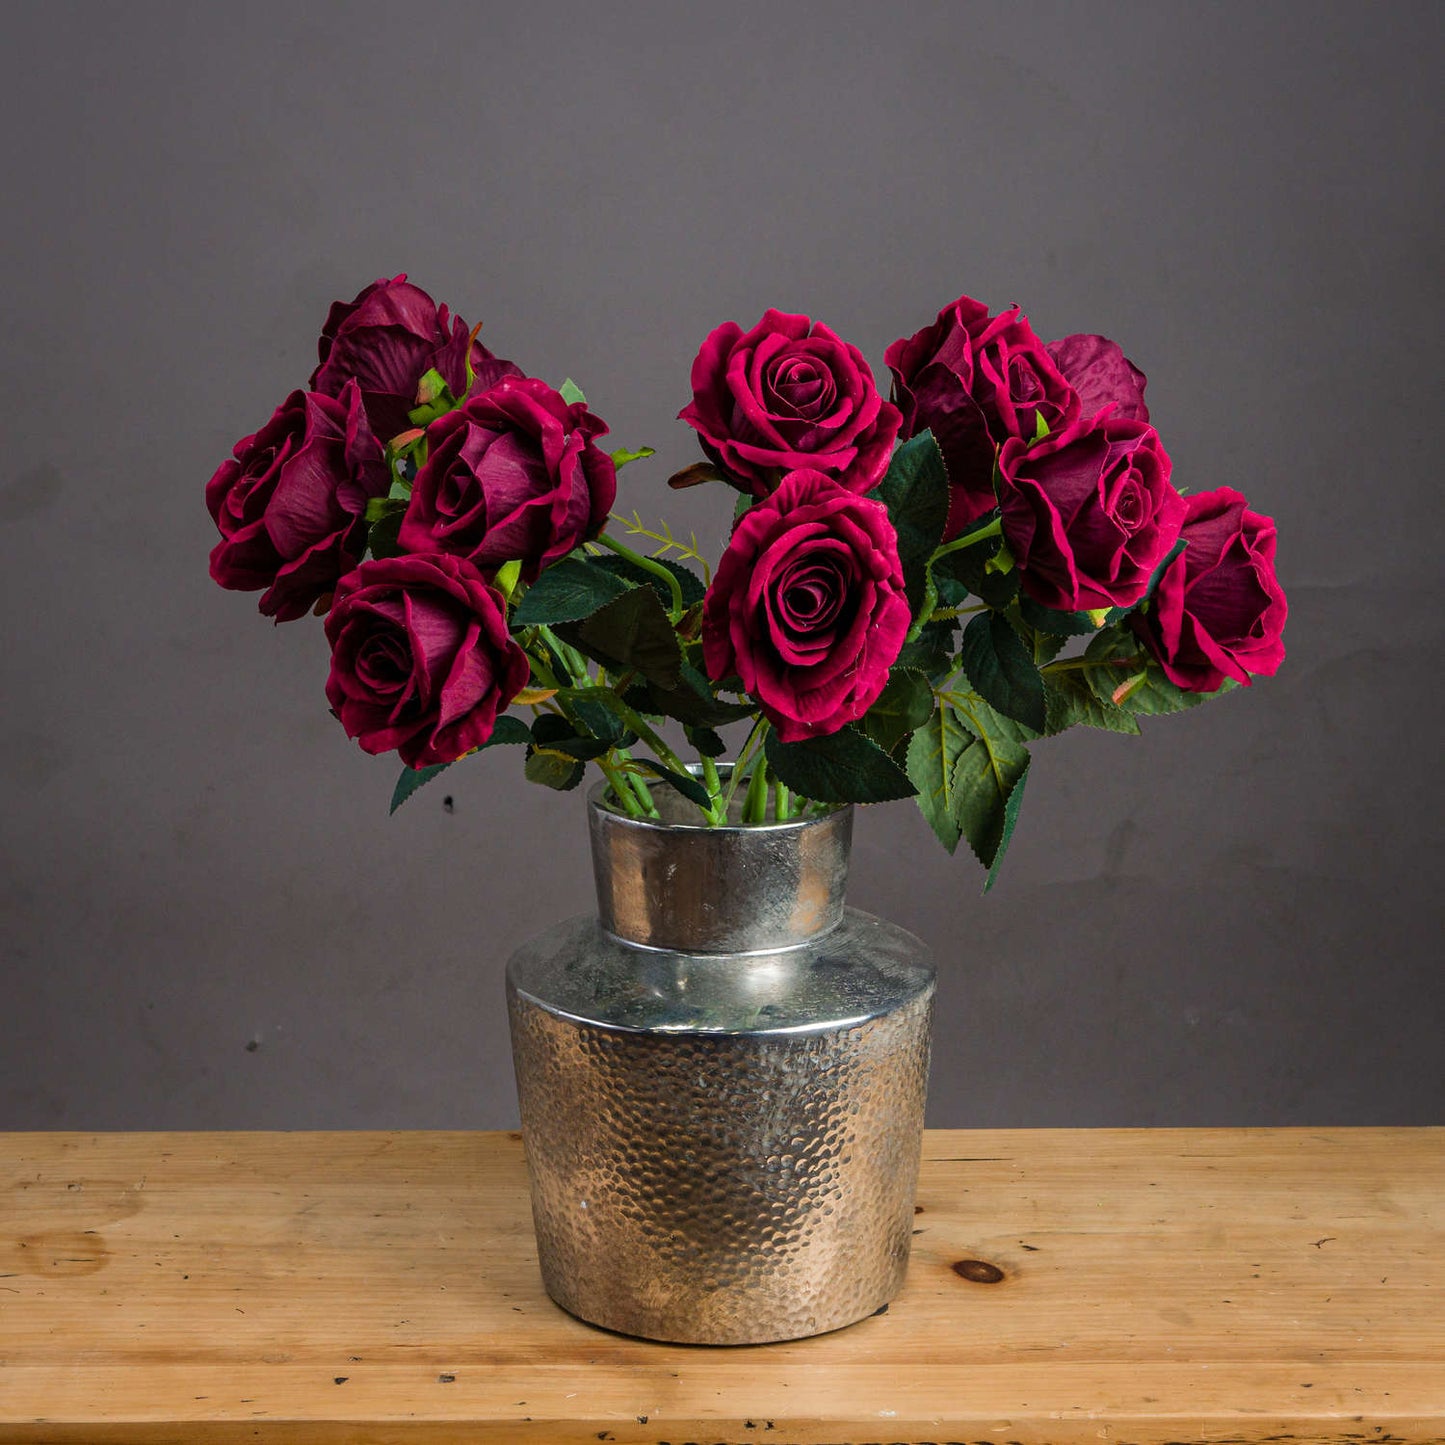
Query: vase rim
{"type": "Point", "coordinates": [597, 798]}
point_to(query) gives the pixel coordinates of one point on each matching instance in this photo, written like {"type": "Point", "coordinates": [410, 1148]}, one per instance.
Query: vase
{"type": "Point", "coordinates": [722, 1080]}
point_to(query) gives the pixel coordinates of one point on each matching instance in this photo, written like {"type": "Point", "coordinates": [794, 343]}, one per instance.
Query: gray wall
{"type": "Point", "coordinates": [1235, 919]}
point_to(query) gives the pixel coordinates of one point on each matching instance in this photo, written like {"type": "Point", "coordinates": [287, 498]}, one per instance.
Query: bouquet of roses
{"type": "Point", "coordinates": [914, 590]}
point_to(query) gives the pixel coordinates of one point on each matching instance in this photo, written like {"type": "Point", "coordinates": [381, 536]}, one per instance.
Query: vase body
{"type": "Point", "coordinates": [722, 1080]}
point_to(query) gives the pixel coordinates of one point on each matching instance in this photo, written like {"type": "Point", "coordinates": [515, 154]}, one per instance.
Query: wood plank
{"type": "Point", "coordinates": [1156, 1285]}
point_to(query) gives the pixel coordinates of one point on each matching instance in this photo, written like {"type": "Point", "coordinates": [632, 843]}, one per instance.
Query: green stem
{"type": "Point", "coordinates": [943, 614]}
{"type": "Point", "coordinates": [1073, 664]}
{"type": "Point", "coordinates": [759, 729]}
{"type": "Point", "coordinates": [618, 782]}
{"type": "Point", "coordinates": [649, 564]}
{"type": "Point", "coordinates": [755, 805]}
{"type": "Point", "coordinates": [783, 804]}
{"type": "Point", "coordinates": [994, 529]}
{"type": "Point", "coordinates": [713, 783]}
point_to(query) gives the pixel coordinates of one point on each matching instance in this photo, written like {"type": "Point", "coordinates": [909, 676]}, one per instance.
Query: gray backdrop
{"type": "Point", "coordinates": [209, 920]}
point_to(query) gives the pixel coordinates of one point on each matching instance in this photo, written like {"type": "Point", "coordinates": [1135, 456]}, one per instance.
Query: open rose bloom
{"type": "Point", "coordinates": [916, 589]}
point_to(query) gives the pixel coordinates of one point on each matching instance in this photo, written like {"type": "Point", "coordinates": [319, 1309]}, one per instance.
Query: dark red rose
{"type": "Point", "coordinates": [1088, 512]}
{"type": "Point", "coordinates": [388, 338]}
{"type": "Point", "coordinates": [789, 394]}
{"type": "Point", "coordinates": [514, 474]}
{"type": "Point", "coordinates": [1101, 375]}
{"type": "Point", "coordinates": [289, 503]}
{"type": "Point", "coordinates": [807, 606]}
{"type": "Point", "coordinates": [421, 660]}
{"type": "Point", "coordinates": [976, 380]}
{"type": "Point", "coordinates": [1219, 610]}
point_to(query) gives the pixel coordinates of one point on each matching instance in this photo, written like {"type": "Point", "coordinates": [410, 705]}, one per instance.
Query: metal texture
{"type": "Point", "coordinates": [723, 1133]}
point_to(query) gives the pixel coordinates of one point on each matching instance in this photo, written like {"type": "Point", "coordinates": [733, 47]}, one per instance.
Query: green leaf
{"type": "Point", "coordinates": [1070, 700]}
{"type": "Point", "coordinates": [968, 567]}
{"type": "Point", "coordinates": [1010, 818]}
{"type": "Point", "coordinates": [708, 743]}
{"type": "Point", "coordinates": [933, 753]}
{"type": "Point", "coordinates": [685, 783]}
{"type": "Point", "coordinates": [411, 779]}
{"type": "Point", "coordinates": [984, 721]}
{"type": "Point", "coordinates": [693, 590]}
{"type": "Point", "coordinates": [622, 456]}
{"type": "Point", "coordinates": [507, 729]}
{"type": "Point", "coordinates": [904, 704]}
{"type": "Point", "coordinates": [1041, 427]}
{"type": "Point", "coordinates": [557, 734]}
{"type": "Point", "coordinates": [571, 393]}
{"type": "Point", "coordinates": [1002, 670]}
{"type": "Point", "coordinates": [915, 491]}
{"type": "Point", "coordinates": [987, 772]}
{"type": "Point", "coordinates": [1050, 619]}
{"type": "Point", "coordinates": [553, 769]}
{"type": "Point", "coordinates": [567, 592]}
{"type": "Point", "coordinates": [599, 716]}
{"type": "Point", "coordinates": [381, 536]}
{"type": "Point", "coordinates": [693, 701]}
{"type": "Point", "coordinates": [844, 767]}
{"type": "Point", "coordinates": [379, 507]}
{"type": "Point", "coordinates": [931, 652]}
{"type": "Point", "coordinates": [432, 386]}
{"type": "Point", "coordinates": [632, 633]}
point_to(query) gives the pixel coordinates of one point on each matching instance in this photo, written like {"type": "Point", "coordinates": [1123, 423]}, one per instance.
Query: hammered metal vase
{"type": "Point", "coordinates": [722, 1081]}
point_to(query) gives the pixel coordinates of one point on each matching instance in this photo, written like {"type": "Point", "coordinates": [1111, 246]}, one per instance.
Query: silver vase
{"type": "Point", "coordinates": [722, 1081]}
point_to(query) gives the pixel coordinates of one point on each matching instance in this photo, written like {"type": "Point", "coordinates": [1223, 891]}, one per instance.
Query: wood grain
{"type": "Point", "coordinates": [1141, 1286]}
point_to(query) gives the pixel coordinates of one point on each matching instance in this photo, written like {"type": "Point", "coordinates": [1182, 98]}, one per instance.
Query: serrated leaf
{"type": "Point", "coordinates": [708, 743]}
{"type": "Point", "coordinates": [915, 491]}
{"type": "Point", "coordinates": [685, 784]}
{"type": "Point", "coordinates": [1050, 619]}
{"type": "Point", "coordinates": [693, 701]}
{"type": "Point", "coordinates": [557, 734]}
{"type": "Point", "coordinates": [1069, 700]}
{"type": "Point", "coordinates": [381, 536]}
{"type": "Point", "coordinates": [632, 633]}
{"type": "Point", "coordinates": [571, 393]}
{"type": "Point", "coordinates": [904, 704]}
{"type": "Point", "coordinates": [985, 775]}
{"type": "Point", "coordinates": [984, 721]}
{"type": "Point", "coordinates": [1010, 820]}
{"type": "Point", "coordinates": [599, 715]}
{"type": "Point", "coordinates": [553, 769]}
{"type": "Point", "coordinates": [933, 753]}
{"type": "Point", "coordinates": [844, 767]}
{"type": "Point", "coordinates": [622, 456]}
{"type": "Point", "coordinates": [1155, 696]}
{"type": "Point", "coordinates": [568, 591]}
{"type": "Point", "coordinates": [1002, 670]}
{"type": "Point", "coordinates": [505, 730]}
{"type": "Point", "coordinates": [693, 590]}
{"type": "Point", "coordinates": [931, 652]}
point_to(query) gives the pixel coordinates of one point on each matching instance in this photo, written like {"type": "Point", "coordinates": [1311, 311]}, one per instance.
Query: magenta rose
{"type": "Point", "coordinates": [388, 338]}
{"type": "Point", "coordinates": [289, 503]}
{"type": "Point", "coordinates": [975, 380]}
{"type": "Point", "coordinates": [421, 660]}
{"type": "Point", "coordinates": [1101, 375]}
{"type": "Point", "coordinates": [807, 606]}
{"type": "Point", "coordinates": [1088, 512]}
{"type": "Point", "coordinates": [514, 474]}
{"type": "Point", "coordinates": [789, 394]}
{"type": "Point", "coordinates": [1219, 611]}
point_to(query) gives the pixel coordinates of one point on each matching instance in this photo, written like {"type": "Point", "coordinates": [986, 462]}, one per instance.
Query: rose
{"type": "Point", "coordinates": [514, 474]}
{"type": "Point", "coordinates": [421, 660]}
{"type": "Point", "coordinates": [1101, 375]}
{"type": "Point", "coordinates": [1219, 610]}
{"type": "Point", "coordinates": [788, 394]}
{"type": "Point", "coordinates": [289, 503]}
{"type": "Point", "coordinates": [388, 338]}
{"type": "Point", "coordinates": [1088, 513]}
{"type": "Point", "coordinates": [807, 606]}
{"type": "Point", "coordinates": [976, 380]}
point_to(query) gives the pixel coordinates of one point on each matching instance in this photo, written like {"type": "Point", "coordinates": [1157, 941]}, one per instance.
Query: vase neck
{"type": "Point", "coordinates": [697, 889]}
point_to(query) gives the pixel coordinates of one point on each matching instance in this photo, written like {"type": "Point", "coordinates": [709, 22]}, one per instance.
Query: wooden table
{"type": "Point", "coordinates": [1081, 1285]}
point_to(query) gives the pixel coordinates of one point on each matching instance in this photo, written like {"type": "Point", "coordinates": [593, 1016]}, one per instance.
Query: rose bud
{"type": "Point", "coordinates": [1101, 375]}
{"type": "Point", "coordinates": [1219, 610]}
{"type": "Point", "coordinates": [421, 660]}
{"type": "Point", "coordinates": [788, 394]}
{"type": "Point", "coordinates": [807, 605]}
{"type": "Point", "coordinates": [289, 504]}
{"type": "Point", "coordinates": [1088, 513]}
{"type": "Point", "coordinates": [976, 380]}
{"type": "Point", "coordinates": [514, 474]}
{"type": "Point", "coordinates": [388, 338]}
